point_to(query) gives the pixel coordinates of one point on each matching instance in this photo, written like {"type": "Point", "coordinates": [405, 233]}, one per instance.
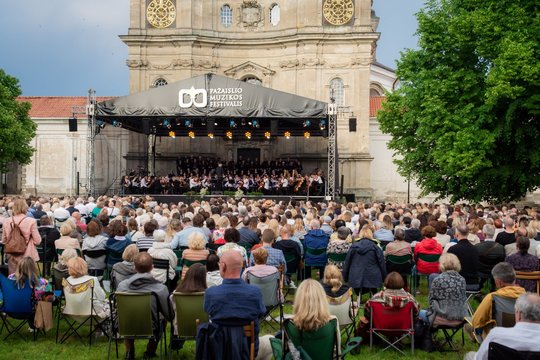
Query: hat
{"type": "Point", "coordinates": [268, 203]}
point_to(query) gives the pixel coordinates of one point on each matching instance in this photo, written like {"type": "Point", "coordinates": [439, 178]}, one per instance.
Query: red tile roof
{"type": "Point", "coordinates": [55, 106]}
{"type": "Point", "coordinates": [375, 104]}
{"type": "Point", "coordinates": [61, 106]}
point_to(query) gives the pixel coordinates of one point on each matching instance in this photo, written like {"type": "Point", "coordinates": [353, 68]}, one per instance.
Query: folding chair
{"type": "Point", "coordinates": [213, 247]}
{"type": "Point", "coordinates": [162, 264]}
{"type": "Point", "coordinates": [503, 311]}
{"type": "Point", "coordinates": [449, 329]}
{"type": "Point", "coordinates": [497, 351]}
{"type": "Point", "coordinates": [386, 321]}
{"type": "Point", "coordinates": [96, 254]}
{"type": "Point", "coordinates": [270, 287]}
{"type": "Point", "coordinates": [249, 333]}
{"type": "Point", "coordinates": [400, 264]}
{"type": "Point", "coordinates": [342, 309]}
{"type": "Point", "coordinates": [470, 295]}
{"type": "Point", "coordinates": [430, 258]}
{"type": "Point", "coordinates": [133, 319]}
{"type": "Point", "coordinates": [79, 311]}
{"type": "Point", "coordinates": [292, 259]}
{"type": "Point", "coordinates": [189, 313]}
{"type": "Point", "coordinates": [337, 257]}
{"type": "Point", "coordinates": [320, 344]}
{"type": "Point", "coordinates": [530, 275]}
{"type": "Point", "coordinates": [60, 251]}
{"type": "Point", "coordinates": [113, 257]}
{"type": "Point", "coordinates": [19, 305]}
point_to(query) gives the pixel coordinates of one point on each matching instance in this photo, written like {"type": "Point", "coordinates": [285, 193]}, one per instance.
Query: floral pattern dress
{"type": "Point", "coordinates": [337, 246]}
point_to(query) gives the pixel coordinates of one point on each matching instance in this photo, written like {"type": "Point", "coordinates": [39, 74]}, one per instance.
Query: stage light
{"type": "Point", "coordinates": [101, 124]}
{"type": "Point", "coordinates": [322, 124]}
{"type": "Point", "coordinates": [307, 134]}
{"type": "Point", "coordinates": [232, 124]}
{"type": "Point", "coordinates": [248, 135]}
{"type": "Point", "coordinates": [167, 123]}
{"type": "Point", "coordinates": [256, 124]}
{"type": "Point", "coordinates": [211, 135]}
{"type": "Point", "coordinates": [172, 134]}
{"type": "Point", "coordinates": [116, 123]}
{"type": "Point", "coordinates": [191, 134]}
{"type": "Point", "coordinates": [267, 135]}
{"type": "Point", "coordinates": [287, 134]}
{"type": "Point", "coordinates": [229, 135]}
{"type": "Point", "coordinates": [188, 124]}
{"type": "Point", "coordinates": [307, 123]}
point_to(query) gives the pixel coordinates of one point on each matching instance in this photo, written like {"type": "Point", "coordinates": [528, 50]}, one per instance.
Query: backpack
{"type": "Point", "coordinates": [17, 243]}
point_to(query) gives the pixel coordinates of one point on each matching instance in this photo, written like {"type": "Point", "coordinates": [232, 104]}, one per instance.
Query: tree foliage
{"type": "Point", "coordinates": [16, 127]}
{"type": "Point", "coordinates": [465, 119]}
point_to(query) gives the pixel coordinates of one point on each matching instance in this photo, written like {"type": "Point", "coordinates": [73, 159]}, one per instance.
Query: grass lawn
{"type": "Point", "coordinates": [45, 347]}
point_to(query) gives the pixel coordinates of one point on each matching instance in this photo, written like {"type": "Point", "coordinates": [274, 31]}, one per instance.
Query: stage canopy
{"type": "Point", "coordinates": [215, 104]}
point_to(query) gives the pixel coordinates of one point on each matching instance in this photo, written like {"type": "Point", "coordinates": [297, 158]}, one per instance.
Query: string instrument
{"type": "Point", "coordinates": [299, 184]}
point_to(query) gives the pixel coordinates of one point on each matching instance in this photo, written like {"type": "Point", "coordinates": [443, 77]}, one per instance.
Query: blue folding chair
{"type": "Point", "coordinates": [19, 305]}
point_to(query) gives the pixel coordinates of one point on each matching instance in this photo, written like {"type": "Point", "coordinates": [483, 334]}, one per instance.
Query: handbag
{"type": "Point", "coordinates": [43, 317]}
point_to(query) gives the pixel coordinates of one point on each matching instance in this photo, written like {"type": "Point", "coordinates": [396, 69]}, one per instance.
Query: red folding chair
{"type": "Point", "coordinates": [387, 323]}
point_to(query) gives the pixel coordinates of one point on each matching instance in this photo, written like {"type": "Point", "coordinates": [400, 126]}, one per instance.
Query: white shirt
{"type": "Point", "coordinates": [523, 336]}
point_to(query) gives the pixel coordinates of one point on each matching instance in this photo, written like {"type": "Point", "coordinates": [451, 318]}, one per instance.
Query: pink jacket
{"type": "Point", "coordinates": [30, 231]}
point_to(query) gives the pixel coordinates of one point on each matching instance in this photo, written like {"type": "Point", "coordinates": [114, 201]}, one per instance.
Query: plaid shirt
{"type": "Point", "coordinates": [275, 257]}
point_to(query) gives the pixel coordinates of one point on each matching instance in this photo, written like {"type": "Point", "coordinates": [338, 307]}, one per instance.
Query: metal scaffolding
{"type": "Point", "coordinates": [91, 144]}
{"type": "Point", "coordinates": [332, 133]}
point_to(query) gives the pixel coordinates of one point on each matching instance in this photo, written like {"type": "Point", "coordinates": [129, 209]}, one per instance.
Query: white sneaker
{"type": "Point", "coordinates": [292, 285]}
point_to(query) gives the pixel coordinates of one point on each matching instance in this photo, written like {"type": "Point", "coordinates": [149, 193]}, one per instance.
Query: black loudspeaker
{"type": "Point", "coordinates": [352, 124]}
{"type": "Point", "coordinates": [72, 124]}
{"type": "Point", "coordinates": [210, 126]}
{"type": "Point", "coordinates": [146, 126]}
{"type": "Point", "coordinates": [274, 127]}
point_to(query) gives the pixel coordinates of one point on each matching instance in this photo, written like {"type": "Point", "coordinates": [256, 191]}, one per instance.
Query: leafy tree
{"type": "Point", "coordinates": [16, 127]}
{"type": "Point", "coordinates": [465, 119]}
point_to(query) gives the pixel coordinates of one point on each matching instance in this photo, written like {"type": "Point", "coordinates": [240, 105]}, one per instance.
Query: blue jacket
{"type": "Point", "coordinates": [118, 246]}
{"type": "Point", "coordinates": [315, 239]}
{"type": "Point", "coordinates": [364, 266]}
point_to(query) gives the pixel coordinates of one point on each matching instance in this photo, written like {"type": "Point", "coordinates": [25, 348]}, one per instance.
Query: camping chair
{"type": "Point", "coordinates": [188, 263]}
{"type": "Point", "coordinates": [271, 290]}
{"type": "Point", "coordinates": [342, 309]}
{"type": "Point", "coordinates": [400, 264]}
{"type": "Point", "coordinates": [96, 254]}
{"type": "Point", "coordinates": [430, 258]}
{"type": "Point", "coordinates": [249, 333]}
{"type": "Point", "coordinates": [314, 252]}
{"type": "Point", "coordinates": [79, 311]}
{"type": "Point", "coordinates": [337, 257]}
{"type": "Point", "coordinates": [19, 305]}
{"type": "Point", "coordinates": [503, 311]}
{"type": "Point", "coordinates": [292, 259]}
{"type": "Point", "coordinates": [386, 321]}
{"type": "Point", "coordinates": [133, 319]}
{"type": "Point", "coordinates": [162, 264]}
{"type": "Point", "coordinates": [213, 247]}
{"type": "Point", "coordinates": [530, 275]}
{"type": "Point", "coordinates": [60, 251]}
{"type": "Point", "coordinates": [113, 257]}
{"type": "Point", "coordinates": [497, 351]}
{"type": "Point", "coordinates": [449, 329]}
{"type": "Point", "coordinates": [321, 344]}
{"type": "Point", "coordinates": [189, 313]}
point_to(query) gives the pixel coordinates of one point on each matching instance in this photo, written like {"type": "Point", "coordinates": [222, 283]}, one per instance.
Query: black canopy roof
{"type": "Point", "coordinates": [215, 100]}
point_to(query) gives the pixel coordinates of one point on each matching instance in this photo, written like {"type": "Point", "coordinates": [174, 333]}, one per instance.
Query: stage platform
{"type": "Point", "coordinates": [186, 199]}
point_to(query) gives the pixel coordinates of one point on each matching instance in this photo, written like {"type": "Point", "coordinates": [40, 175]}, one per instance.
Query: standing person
{"type": "Point", "coordinates": [508, 236]}
{"type": "Point", "coordinates": [317, 240]}
{"type": "Point", "coordinates": [22, 230]}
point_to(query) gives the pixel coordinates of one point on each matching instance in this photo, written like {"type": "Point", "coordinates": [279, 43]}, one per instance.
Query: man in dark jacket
{"type": "Point", "coordinates": [468, 257]}
{"type": "Point", "coordinates": [413, 233]}
{"type": "Point", "coordinates": [247, 232]}
{"type": "Point", "coordinates": [315, 243]}
{"type": "Point", "coordinates": [46, 250]}
{"type": "Point", "coordinates": [144, 282]}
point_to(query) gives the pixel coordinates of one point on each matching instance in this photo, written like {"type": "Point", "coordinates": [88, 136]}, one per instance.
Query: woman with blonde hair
{"type": "Point", "coordinates": [299, 229]}
{"type": "Point", "coordinates": [66, 241]}
{"type": "Point", "coordinates": [27, 270]}
{"type": "Point", "coordinates": [29, 230]}
{"type": "Point", "coordinates": [195, 252]}
{"type": "Point", "coordinates": [273, 225]}
{"type": "Point", "coordinates": [310, 308]}
{"type": "Point", "coordinates": [125, 269]}
{"type": "Point", "coordinates": [332, 283]}
{"type": "Point", "coordinates": [222, 224]}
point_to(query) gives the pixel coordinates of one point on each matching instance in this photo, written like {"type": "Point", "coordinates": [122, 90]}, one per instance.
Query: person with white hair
{"type": "Point", "coordinates": [161, 250]}
{"type": "Point", "coordinates": [317, 240]}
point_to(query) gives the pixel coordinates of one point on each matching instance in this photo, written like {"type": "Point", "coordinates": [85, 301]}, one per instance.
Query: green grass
{"type": "Point", "coordinates": [45, 347]}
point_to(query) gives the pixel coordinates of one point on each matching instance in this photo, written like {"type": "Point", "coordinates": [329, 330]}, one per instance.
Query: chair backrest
{"type": "Point", "coordinates": [78, 298]}
{"type": "Point", "coordinates": [315, 251]}
{"type": "Point", "coordinates": [530, 275]}
{"type": "Point", "coordinates": [57, 277]}
{"type": "Point", "coordinates": [249, 332]}
{"type": "Point", "coordinates": [391, 320]}
{"type": "Point", "coordinates": [341, 310]}
{"type": "Point", "coordinates": [503, 311]}
{"type": "Point", "coordinates": [213, 247]}
{"type": "Point", "coordinates": [134, 314]}
{"type": "Point", "coordinates": [94, 254]}
{"type": "Point", "coordinates": [189, 310]}
{"type": "Point", "coordinates": [114, 257]}
{"type": "Point", "coordinates": [399, 260]}
{"type": "Point", "coordinates": [497, 351]}
{"type": "Point", "coordinates": [269, 286]}
{"type": "Point", "coordinates": [337, 257]}
{"type": "Point", "coordinates": [432, 258]}
{"type": "Point", "coordinates": [60, 251]}
{"type": "Point", "coordinates": [162, 264]}
{"type": "Point", "coordinates": [319, 344]}
{"type": "Point", "coordinates": [18, 302]}
{"type": "Point", "coordinates": [189, 263]}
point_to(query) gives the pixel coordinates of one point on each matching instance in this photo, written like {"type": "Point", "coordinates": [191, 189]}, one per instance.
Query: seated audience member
{"type": "Point", "coordinates": [46, 250]}
{"type": "Point", "coordinates": [147, 241]}
{"type": "Point", "coordinates": [95, 241]}
{"type": "Point", "coordinates": [507, 236]}
{"type": "Point", "coordinates": [144, 282]}
{"type": "Point", "coordinates": [60, 270]}
{"type": "Point", "coordinates": [260, 269]}
{"type": "Point", "coordinates": [27, 270]}
{"type": "Point", "coordinates": [428, 246]}
{"type": "Point", "coordinates": [468, 257]}
{"type": "Point", "coordinates": [181, 239]}
{"type": "Point", "coordinates": [289, 246]}
{"type": "Point", "coordinates": [315, 239]}
{"type": "Point", "coordinates": [232, 305]}
{"type": "Point", "coordinates": [505, 282]}
{"type": "Point", "coordinates": [161, 250]}
{"type": "Point", "coordinates": [117, 242]}
{"type": "Point", "coordinates": [275, 256]}
{"type": "Point", "coordinates": [442, 237]}
{"type": "Point", "coordinates": [232, 238]}
{"type": "Point", "coordinates": [196, 250]}
{"type": "Point", "coordinates": [523, 261]}
{"type": "Point", "coordinates": [522, 337]}
{"type": "Point", "coordinates": [213, 277]}
{"type": "Point", "coordinates": [248, 234]}
{"type": "Point", "coordinates": [413, 232]}
{"type": "Point", "coordinates": [125, 269]}
{"type": "Point", "coordinates": [66, 241]}
{"type": "Point", "coordinates": [447, 297]}
{"type": "Point", "coordinates": [78, 274]}
{"type": "Point", "coordinates": [490, 253]}
{"type": "Point", "coordinates": [339, 245]}
{"type": "Point", "coordinates": [393, 295]}
{"type": "Point", "coordinates": [332, 283]}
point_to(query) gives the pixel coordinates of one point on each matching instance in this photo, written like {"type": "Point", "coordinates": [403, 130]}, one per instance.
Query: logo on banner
{"type": "Point", "coordinates": [192, 97]}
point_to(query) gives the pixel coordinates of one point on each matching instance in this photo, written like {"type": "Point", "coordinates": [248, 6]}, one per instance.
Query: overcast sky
{"type": "Point", "coordinates": [65, 47]}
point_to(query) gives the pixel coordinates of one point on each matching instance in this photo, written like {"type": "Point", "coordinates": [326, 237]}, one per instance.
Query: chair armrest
{"type": "Point", "coordinates": [351, 345]}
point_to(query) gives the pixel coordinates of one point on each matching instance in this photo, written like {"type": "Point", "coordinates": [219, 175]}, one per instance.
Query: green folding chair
{"type": "Point", "coordinates": [189, 313]}
{"type": "Point", "coordinates": [429, 258]}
